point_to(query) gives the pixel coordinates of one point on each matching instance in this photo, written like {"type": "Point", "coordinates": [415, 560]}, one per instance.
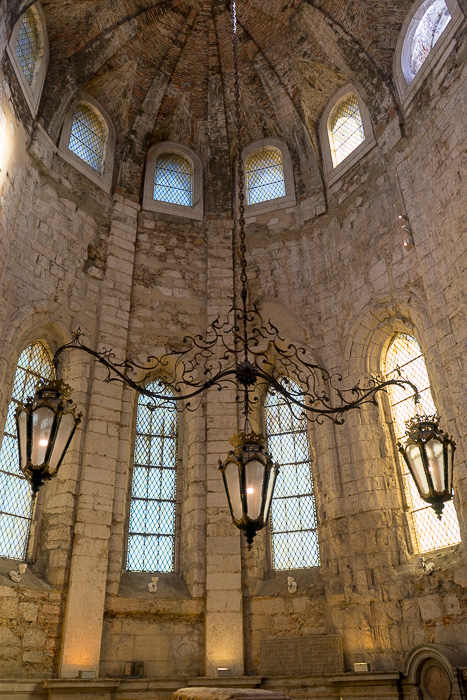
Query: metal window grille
{"type": "Point", "coordinates": [15, 492]}
{"type": "Point", "coordinates": [405, 356]}
{"type": "Point", "coordinates": [429, 28]}
{"type": "Point", "coordinates": [345, 129]}
{"type": "Point", "coordinates": [28, 46]}
{"type": "Point", "coordinates": [293, 510]}
{"type": "Point", "coordinates": [173, 180]}
{"type": "Point", "coordinates": [264, 176]}
{"type": "Point", "coordinates": [88, 136]}
{"type": "Point", "coordinates": [151, 540]}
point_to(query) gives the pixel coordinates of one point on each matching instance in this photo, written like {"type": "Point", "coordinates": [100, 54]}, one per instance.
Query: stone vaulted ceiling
{"type": "Point", "coordinates": [163, 70]}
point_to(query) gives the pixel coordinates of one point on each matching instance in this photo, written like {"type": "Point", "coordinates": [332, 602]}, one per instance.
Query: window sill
{"type": "Point", "coordinates": [102, 181]}
{"type": "Point", "coordinates": [195, 213]}
{"type": "Point", "coordinates": [350, 161]}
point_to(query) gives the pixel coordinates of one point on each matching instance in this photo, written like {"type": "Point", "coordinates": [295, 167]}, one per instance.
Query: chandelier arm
{"type": "Point", "coordinates": [113, 368]}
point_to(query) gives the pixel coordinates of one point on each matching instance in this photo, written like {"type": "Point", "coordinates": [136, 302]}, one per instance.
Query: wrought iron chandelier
{"type": "Point", "coordinates": [246, 352]}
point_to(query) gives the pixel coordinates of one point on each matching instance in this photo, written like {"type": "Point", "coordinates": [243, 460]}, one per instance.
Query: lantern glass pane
{"type": "Point", "coordinates": [22, 433]}
{"type": "Point", "coordinates": [271, 477]}
{"type": "Point", "coordinates": [42, 422]}
{"type": "Point", "coordinates": [254, 476]}
{"type": "Point", "coordinates": [450, 457]}
{"type": "Point", "coordinates": [404, 358]}
{"type": "Point", "coordinates": [415, 458]}
{"type": "Point", "coordinates": [293, 512]}
{"type": "Point", "coordinates": [232, 480]}
{"type": "Point", "coordinates": [65, 430]}
{"type": "Point", "coordinates": [435, 454]}
{"type": "Point", "coordinates": [151, 536]}
{"type": "Point", "coordinates": [16, 502]}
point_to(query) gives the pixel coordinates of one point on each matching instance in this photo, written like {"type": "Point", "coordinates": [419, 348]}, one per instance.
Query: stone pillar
{"type": "Point", "coordinates": [224, 616]}
{"type": "Point", "coordinates": [82, 629]}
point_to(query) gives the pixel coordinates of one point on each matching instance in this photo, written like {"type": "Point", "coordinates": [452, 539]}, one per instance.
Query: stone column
{"type": "Point", "coordinates": [82, 629]}
{"type": "Point", "coordinates": [224, 617]}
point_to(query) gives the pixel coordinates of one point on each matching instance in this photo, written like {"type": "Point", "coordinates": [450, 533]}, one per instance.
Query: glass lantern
{"type": "Point", "coordinates": [429, 455]}
{"type": "Point", "coordinates": [249, 476]}
{"type": "Point", "coordinates": [45, 426]}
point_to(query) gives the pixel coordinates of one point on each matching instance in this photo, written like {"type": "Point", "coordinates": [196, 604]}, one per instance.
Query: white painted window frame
{"type": "Point", "coordinates": [290, 199]}
{"type": "Point", "coordinates": [334, 173]}
{"type": "Point", "coordinates": [32, 96]}
{"type": "Point", "coordinates": [104, 178]}
{"type": "Point", "coordinates": [442, 48]}
{"type": "Point", "coordinates": [196, 211]}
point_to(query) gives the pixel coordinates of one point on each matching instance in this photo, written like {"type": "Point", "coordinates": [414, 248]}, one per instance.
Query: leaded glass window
{"type": "Point", "coordinates": [264, 176]}
{"type": "Point", "coordinates": [173, 180]}
{"type": "Point", "coordinates": [151, 542]}
{"type": "Point", "coordinates": [426, 33]}
{"type": "Point", "coordinates": [15, 493]}
{"type": "Point", "coordinates": [293, 510]}
{"type": "Point", "coordinates": [404, 358]}
{"type": "Point", "coordinates": [29, 46]}
{"type": "Point", "coordinates": [88, 136]}
{"type": "Point", "coordinates": [345, 128]}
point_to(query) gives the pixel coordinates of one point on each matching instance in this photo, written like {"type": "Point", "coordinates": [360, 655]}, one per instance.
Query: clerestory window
{"type": "Point", "coordinates": [151, 536]}
{"type": "Point", "coordinates": [424, 31]}
{"type": "Point", "coordinates": [15, 492]}
{"type": "Point", "coordinates": [405, 358]}
{"type": "Point", "coordinates": [293, 509]}
{"type": "Point", "coordinates": [88, 138]}
{"type": "Point", "coordinates": [264, 176]}
{"type": "Point", "coordinates": [345, 128]}
{"type": "Point", "coordinates": [173, 180]}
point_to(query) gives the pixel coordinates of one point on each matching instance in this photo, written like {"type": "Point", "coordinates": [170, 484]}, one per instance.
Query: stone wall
{"type": "Point", "coordinates": [330, 272]}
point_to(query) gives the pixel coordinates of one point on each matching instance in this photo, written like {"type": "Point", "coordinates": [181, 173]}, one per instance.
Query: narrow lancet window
{"type": "Point", "coordinates": [88, 136]}
{"type": "Point", "coordinates": [345, 128]}
{"type": "Point", "coordinates": [293, 510]}
{"type": "Point", "coordinates": [173, 180]}
{"type": "Point", "coordinates": [424, 32]}
{"type": "Point", "coordinates": [15, 492]}
{"type": "Point", "coordinates": [29, 46]}
{"type": "Point", "coordinates": [264, 176]}
{"type": "Point", "coordinates": [151, 543]}
{"type": "Point", "coordinates": [404, 358]}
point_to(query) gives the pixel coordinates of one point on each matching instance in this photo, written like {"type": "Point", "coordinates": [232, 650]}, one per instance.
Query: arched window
{"type": "Point", "coordinates": [151, 540]}
{"type": "Point", "coordinates": [28, 51]}
{"type": "Point", "coordinates": [173, 180]}
{"type": "Point", "coordinates": [30, 45]}
{"type": "Point", "coordinates": [15, 493]}
{"type": "Point", "coordinates": [264, 176]}
{"type": "Point", "coordinates": [293, 510]}
{"type": "Point", "coordinates": [404, 356]}
{"type": "Point", "coordinates": [423, 33]}
{"type": "Point", "coordinates": [88, 137]}
{"type": "Point", "coordinates": [345, 128]}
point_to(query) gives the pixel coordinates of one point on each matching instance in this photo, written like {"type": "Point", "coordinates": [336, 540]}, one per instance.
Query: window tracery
{"type": "Point", "coordinates": [264, 176]}
{"type": "Point", "coordinates": [151, 535]}
{"type": "Point", "coordinates": [88, 136]}
{"type": "Point", "coordinates": [293, 509]}
{"type": "Point", "coordinates": [345, 128]}
{"type": "Point", "coordinates": [173, 180]}
{"type": "Point", "coordinates": [15, 493]}
{"type": "Point", "coordinates": [404, 356]}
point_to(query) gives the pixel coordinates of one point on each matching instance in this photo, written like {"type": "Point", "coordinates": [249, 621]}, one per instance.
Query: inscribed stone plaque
{"type": "Point", "coordinates": [301, 656]}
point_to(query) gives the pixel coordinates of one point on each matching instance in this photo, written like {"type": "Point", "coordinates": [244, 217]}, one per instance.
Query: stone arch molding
{"type": "Point", "coordinates": [449, 658]}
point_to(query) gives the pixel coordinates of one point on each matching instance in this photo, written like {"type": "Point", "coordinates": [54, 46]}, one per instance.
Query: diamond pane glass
{"type": "Point", "coordinates": [345, 128]}
{"type": "Point", "coordinates": [88, 136]}
{"type": "Point", "coordinates": [173, 180]}
{"type": "Point", "coordinates": [429, 28]}
{"type": "Point", "coordinates": [151, 542]}
{"type": "Point", "coordinates": [15, 493]}
{"type": "Point", "coordinates": [264, 176]}
{"type": "Point", "coordinates": [404, 356]}
{"type": "Point", "coordinates": [28, 47]}
{"type": "Point", "coordinates": [293, 510]}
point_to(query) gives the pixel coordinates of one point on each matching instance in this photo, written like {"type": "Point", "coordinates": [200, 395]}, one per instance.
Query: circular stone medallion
{"type": "Point", "coordinates": [437, 683]}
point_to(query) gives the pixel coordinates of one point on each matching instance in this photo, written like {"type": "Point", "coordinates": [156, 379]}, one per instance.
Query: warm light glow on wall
{"type": "Point", "coordinates": [6, 143]}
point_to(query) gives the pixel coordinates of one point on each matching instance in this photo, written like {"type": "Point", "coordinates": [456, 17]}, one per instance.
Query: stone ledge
{"type": "Point", "coordinates": [226, 682]}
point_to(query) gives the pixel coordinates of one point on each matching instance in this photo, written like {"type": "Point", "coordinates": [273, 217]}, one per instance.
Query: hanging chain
{"type": "Point", "coordinates": [239, 161]}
